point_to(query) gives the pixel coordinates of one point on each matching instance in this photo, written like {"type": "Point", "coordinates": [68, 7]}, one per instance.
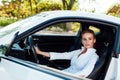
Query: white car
{"type": "Point", "coordinates": [58, 31]}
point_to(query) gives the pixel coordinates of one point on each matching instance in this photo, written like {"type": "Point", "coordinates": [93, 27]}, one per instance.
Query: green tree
{"type": "Point", "coordinates": [68, 4]}
{"type": "Point", "coordinates": [114, 10]}
{"type": "Point", "coordinates": [19, 9]}
{"type": "Point", "coordinates": [13, 5]}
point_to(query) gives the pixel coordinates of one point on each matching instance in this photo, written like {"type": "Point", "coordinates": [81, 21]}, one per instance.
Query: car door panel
{"type": "Point", "coordinates": [111, 73]}
{"type": "Point", "coordinates": [21, 70]}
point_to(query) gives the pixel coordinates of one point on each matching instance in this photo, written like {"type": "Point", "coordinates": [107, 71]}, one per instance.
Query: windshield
{"type": "Point", "coordinates": [6, 37]}
{"type": "Point", "coordinates": [7, 33]}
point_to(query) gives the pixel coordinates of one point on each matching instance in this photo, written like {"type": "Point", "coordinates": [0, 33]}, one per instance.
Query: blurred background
{"type": "Point", "coordinates": [14, 10]}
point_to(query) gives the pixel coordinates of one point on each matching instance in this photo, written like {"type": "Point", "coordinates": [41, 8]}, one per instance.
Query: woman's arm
{"type": "Point", "coordinates": [38, 51]}
{"type": "Point", "coordinates": [57, 55]}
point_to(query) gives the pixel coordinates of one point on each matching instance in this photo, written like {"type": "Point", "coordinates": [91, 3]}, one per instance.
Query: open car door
{"type": "Point", "coordinates": [113, 72]}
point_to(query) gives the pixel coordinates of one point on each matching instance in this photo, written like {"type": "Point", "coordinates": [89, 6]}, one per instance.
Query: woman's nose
{"type": "Point", "coordinates": [87, 41]}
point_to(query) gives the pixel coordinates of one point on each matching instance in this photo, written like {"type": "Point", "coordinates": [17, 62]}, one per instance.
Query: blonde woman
{"type": "Point", "coordinates": [82, 60]}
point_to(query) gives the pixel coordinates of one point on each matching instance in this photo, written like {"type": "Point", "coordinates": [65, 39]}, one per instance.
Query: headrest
{"type": "Point", "coordinates": [105, 36]}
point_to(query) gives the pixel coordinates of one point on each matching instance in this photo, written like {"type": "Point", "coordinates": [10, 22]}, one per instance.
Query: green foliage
{"type": "Point", "coordinates": [48, 5]}
{"type": "Point", "coordinates": [69, 4]}
{"type": "Point", "coordinates": [114, 10]}
{"type": "Point", "coordinates": [24, 8]}
{"type": "Point", "coordinates": [5, 21]}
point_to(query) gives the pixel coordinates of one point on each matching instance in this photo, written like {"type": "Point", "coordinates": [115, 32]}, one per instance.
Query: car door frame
{"type": "Point", "coordinates": [113, 72]}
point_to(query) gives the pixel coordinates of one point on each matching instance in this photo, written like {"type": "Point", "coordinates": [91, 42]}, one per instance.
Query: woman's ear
{"type": "Point", "coordinates": [95, 40]}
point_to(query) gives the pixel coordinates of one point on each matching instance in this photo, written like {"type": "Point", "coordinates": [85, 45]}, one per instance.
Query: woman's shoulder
{"type": "Point", "coordinates": [93, 51]}
{"type": "Point", "coordinates": [76, 51]}
{"type": "Point", "coordinates": [95, 55]}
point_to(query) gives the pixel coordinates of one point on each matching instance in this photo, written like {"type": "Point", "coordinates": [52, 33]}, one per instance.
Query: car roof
{"type": "Point", "coordinates": [62, 14]}
{"type": "Point", "coordinates": [46, 16]}
{"type": "Point", "coordinates": [69, 13]}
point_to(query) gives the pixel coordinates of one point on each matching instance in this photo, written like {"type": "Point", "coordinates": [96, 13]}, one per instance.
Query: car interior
{"type": "Point", "coordinates": [105, 36]}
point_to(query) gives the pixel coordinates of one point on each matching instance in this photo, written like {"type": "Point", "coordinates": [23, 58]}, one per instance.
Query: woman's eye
{"type": "Point", "coordinates": [84, 39]}
{"type": "Point", "coordinates": [90, 38]}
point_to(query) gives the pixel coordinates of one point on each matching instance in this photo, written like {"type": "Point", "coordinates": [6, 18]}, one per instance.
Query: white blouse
{"type": "Point", "coordinates": [82, 65]}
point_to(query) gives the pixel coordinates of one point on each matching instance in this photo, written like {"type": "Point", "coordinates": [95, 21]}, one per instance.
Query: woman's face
{"type": "Point", "coordinates": [88, 40]}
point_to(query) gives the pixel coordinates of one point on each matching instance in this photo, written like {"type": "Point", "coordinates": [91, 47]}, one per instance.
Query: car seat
{"type": "Point", "coordinates": [103, 46]}
{"type": "Point", "coordinates": [99, 64]}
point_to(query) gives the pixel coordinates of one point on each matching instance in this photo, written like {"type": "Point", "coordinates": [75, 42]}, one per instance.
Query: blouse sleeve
{"type": "Point", "coordinates": [64, 55]}
{"type": "Point", "coordinates": [89, 67]}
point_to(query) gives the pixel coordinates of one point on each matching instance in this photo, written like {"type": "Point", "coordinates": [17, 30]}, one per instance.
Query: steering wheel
{"type": "Point", "coordinates": [31, 44]}
{"type": "Point", "coordinates": [36, 60]}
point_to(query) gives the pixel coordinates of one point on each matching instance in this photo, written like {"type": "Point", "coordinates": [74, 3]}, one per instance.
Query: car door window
{"type": "Point", "coordinates": [66, 28]}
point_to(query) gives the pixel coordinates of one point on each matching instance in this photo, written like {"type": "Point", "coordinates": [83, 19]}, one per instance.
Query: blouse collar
{"type": "Point", "coordinates": [89, 49]}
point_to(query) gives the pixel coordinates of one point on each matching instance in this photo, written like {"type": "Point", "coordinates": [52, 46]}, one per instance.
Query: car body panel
{"type": "Point", "coordinates": [26, 71]}
{"type": "Point", "coordinates": [113, 70]}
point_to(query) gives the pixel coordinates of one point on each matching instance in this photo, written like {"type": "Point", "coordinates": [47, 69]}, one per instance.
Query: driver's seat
{"type": "Point", "coordinates": [103, 49]}
{"type": "Point", "coordinates": [99, 65]}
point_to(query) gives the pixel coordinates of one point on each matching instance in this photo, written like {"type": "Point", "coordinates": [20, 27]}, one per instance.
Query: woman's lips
{"type": "Point", "coordinates": [87, 45]}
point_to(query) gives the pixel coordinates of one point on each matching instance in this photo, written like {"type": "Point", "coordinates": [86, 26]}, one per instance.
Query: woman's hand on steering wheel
{"type": "Point", "coordinates": [31, 44]}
